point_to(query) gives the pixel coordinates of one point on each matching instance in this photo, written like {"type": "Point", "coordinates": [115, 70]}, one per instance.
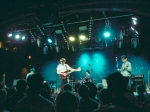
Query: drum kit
{"type": "Point", "coordinates": [73, 81]}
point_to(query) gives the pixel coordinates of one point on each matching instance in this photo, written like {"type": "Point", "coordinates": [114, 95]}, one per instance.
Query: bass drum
{"type": "Point", "coordinates": [84, 80]}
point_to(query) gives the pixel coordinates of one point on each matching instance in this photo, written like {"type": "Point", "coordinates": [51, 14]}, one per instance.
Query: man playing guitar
{"type": "Point", "coordinates": [126, 68]}
{"type": "Point", "coordinates": [64, 70]}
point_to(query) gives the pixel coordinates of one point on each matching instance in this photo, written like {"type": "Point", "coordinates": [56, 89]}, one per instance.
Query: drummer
{"type": "Point", "coordinates": [87, 78]}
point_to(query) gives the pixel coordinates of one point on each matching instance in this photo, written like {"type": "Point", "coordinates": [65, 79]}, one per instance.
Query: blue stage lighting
{"type": "Point", "coordinates": [50, 40]}
{"type": "Point", "coordinates": [107, 34]}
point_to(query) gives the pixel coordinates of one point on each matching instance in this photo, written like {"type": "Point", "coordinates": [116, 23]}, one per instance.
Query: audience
{"type": "Point", "coordinates": [99, 87]}
{"type": "Point", "coordinates": [35, 102]}
{"type": "Point", "coordinates": [88, 97]}
{"type": "Point", "coordinates": [86, 103]}
{"type": "Point", "coordinates": [12, 100]}
{"type": "Point", "coordinates": [92, 91]}
{"type": "Point", "coordinates": [46, 92]}
{"type": "Point", "coordinates": [11, 91]}
{"type": "Point", "coordinates": [140, 89]}
{"type": "Point", "coordinates": [67, 102]}
{"type": "Point", "coordinates": [76, 91]}
{"type": "Point", "coordinates": [3, 95]}
{"type": "Point", "coordinates": [117, 88]}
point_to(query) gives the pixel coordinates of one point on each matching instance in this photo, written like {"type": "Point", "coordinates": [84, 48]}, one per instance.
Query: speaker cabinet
{"type": "Point", "coordinates": [135, 80]}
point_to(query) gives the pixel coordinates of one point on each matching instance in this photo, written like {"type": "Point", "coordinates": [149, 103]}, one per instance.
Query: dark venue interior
{"type": "Point", "coordinates": [91, 34]}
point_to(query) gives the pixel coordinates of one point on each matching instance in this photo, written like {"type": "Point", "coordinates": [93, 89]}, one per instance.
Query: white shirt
{"type": "Point", "coordinates": [31, 73]}
{"type": "Point", "coordinates": [126, 72]}
{"type": "Point", "coordinates": [63, 68]}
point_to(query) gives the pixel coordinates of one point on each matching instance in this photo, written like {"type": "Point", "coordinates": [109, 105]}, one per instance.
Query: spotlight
{"type": "Point", "coordinates": [134, 41]}
{"type": "Point", "coordinates": [71, 38]}
{"type": "Point", "coordinates": [132, 28]}
{"type": "Point", "coordinates": [23, 37]}
{"type": "Point", "coordinates": [82, 37]}
{"type": "Point", "coordinates": [17, 36]}
{"type": "Point", "coordinates": [134, 20]}
{"type": "Point", "coordinates": [50, 40]}
{"type": "Point", "coordinates": [10, 35]}
{"type": "Point", "coordinates": [106, 34]}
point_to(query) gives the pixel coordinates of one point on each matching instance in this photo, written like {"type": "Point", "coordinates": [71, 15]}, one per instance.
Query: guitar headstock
{"type": "Point", "coordinates": [78, 69]}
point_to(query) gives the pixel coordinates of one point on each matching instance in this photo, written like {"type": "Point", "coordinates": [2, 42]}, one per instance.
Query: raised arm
{"type": "Point", "coordinates": [72, 69]}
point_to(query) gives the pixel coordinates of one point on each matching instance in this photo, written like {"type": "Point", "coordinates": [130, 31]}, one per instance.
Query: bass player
{"type": "Point", "coordinates": [64, 70]}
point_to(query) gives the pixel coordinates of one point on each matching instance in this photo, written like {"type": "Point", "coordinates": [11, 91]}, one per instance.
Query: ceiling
{"type": "Point", "coordinates": [42, 19]}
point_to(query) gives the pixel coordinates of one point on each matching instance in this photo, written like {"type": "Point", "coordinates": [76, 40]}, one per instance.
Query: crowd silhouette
{"type": "Point", "coordinates": [35, 95]}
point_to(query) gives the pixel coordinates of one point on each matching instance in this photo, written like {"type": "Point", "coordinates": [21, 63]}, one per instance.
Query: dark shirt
{"type": "Point", "coordinates": [35, 103]}
{"type": "Point", "coordinates": [87, 105]}
{"type": "Point", "coordinates": [12, 101]}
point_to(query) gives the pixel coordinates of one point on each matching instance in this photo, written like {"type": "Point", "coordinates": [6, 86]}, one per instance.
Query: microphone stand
{"type": "Point", "coordinates": [116, 62]}
{"type": "Point", "coordinates": [91, 72]}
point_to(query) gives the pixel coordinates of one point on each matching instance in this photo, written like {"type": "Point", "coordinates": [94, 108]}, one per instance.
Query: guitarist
{"type": "Point", "coordinates": [63, 70]}
{"type": "Point", "coordinates": [126, 68]}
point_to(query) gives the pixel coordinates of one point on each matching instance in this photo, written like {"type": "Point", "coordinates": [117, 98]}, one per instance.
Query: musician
{"type": "Point", "coordinates": [87, 78]}
{"type": "Point", "coordinates": [62, 70]}
{"type": "Point", "coordinates": [126, 68]}
{"type": "Point", "coordinates": [32, 71]}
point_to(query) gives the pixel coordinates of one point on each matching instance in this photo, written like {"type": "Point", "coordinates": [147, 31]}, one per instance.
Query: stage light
{"type": "Point", "coordinates": [136, 32]}
{"type": "Point", "coordinates": [134, 20]}
{"type": "Point", "coordinates": [106, 34]}
{"type": "Point", "coordinates": [119, 38]}
{"type": "Point", "coordinates": [50, 41]}
{"type": "Point", "coordinates": [132, 28]}
{"type": "Point", "coordinates": [134, 41]}
{"type": "Point", "coordinates": [39, 42]}
{"type": "Point", "coordinates": [45, 48]}
{"type": "Point", "coordinates": [82, 37]}
{"type": "Point", "coordinates": [23, 37]}
{"type": "Point", "coordinates": [10, 35]}
{"type": "Point", "coordinates": [17, 36]}
{"type": "Point", "coordinates": [82, 28]}
{"type": "Point", "coordinates": [71, 38]}
{"type": "Point", "coordinates": [73, 48]}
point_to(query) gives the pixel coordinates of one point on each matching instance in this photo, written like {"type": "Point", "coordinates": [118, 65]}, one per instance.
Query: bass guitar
{"type": "Point", "coordinates": [67, 73]}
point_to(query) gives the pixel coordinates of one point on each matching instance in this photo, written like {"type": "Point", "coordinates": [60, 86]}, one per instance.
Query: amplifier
{"type": "Point", "coordinates": [137, 76]}
{"type": "Point", "coordinates": [135, 80]}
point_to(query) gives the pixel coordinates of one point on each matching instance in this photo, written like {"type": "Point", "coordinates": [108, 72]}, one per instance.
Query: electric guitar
{"type": "Point", "coordinates": [67, 73]}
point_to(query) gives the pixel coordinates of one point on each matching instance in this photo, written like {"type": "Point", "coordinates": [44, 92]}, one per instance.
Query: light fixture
{"type": "Point", "coordinates": [82, 37]}
{"type": "Point", "coordinates": [17, 36]}
{"type": "Point", "coordinates": [132, 28]}
{"type": "Point", "coordinates": [10, 35]}
{"type": "Point", "coordinates": [134, 20]}
{"type": "Point", "coordinates": [71, 38]}
{"type": "Point", "coordinates": [23, 37]}
{"type": "Point", "coordinates": [119, 38]}
{"type": "Point", "coordinates": [134, 41]}
{"type": "Point", "coordinates": [106, 34]}
{"type": "Point", "coordinates": [49, 40]}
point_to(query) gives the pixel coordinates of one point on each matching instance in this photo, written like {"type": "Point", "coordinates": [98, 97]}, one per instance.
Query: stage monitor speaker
{"type": "Point", "coordinates": [104, 82]}
{"type": "Point", "coordinates": [135, 80]}
{"type": "Point", "coordinates": [15, 82]}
